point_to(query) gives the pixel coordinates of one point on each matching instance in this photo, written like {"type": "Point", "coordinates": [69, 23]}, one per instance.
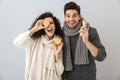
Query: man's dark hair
{"type": "Point", "coordinates": [71, 5]}
{"type": "Point", "coordinates": [39, 33]}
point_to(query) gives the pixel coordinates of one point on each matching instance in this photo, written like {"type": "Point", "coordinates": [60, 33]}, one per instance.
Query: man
{"type": "Point", "coordinates": [82, 46]}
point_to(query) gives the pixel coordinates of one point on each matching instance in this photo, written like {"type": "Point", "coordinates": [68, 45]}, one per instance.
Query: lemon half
{"type": "Point", "coordinates": [84, 23]}
{"type": "Point", "coordinates": [45, 23]}
{"type": "Point", "coordinates": [57, 41]}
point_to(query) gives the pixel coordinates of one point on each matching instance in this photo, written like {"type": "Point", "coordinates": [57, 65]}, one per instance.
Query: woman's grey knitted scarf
{"type": "Point", "coordinates": [81, 52]}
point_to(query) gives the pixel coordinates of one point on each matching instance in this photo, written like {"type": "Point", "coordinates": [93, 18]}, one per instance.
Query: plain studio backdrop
{"type": "Point", "coordinates": [16, 16]}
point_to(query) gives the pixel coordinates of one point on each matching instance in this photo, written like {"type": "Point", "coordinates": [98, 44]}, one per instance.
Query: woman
{"type": "Point", "coordinates": [43, 56]}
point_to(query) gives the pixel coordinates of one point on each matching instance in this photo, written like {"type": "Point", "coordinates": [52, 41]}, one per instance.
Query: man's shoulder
{"type": "Point", "coordinates": [92, 30]}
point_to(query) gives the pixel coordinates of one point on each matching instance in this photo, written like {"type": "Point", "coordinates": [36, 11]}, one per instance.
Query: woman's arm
{"type": "Point", "coordinates": [59, 66]}
{"type": "Point", "coordinates": [23, 40]}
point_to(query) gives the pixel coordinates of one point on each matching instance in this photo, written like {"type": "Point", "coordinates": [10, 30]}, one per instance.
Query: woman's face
{"type": "Point", "coordinates": [50, 30]}
{"type": "Point", "coordinates": [72, 18]}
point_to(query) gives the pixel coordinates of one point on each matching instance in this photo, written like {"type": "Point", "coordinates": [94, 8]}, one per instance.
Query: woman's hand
{"type": "Point", "coordinates": [38, 26]}
{"type": "Point", "coordinates": [58, 48]}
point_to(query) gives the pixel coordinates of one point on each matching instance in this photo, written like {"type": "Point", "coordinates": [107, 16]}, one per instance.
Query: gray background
{"type": "Point", "coordinates": [17, 15]}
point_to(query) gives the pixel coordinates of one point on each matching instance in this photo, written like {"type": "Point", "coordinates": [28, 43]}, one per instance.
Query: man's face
{"type": "Point", "coordinates": [72, 18]}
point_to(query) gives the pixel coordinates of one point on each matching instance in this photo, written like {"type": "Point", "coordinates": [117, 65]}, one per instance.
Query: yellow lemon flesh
{"type": "Point", "coordinates": [45, 23]}
{"type": "Point", "coordinates": [57, 41]}
{"type": "Point", "coordinates": [84, 23]}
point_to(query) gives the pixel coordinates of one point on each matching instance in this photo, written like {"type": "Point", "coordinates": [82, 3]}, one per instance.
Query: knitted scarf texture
{"type": "Point", "coordinates": [81, 52]}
